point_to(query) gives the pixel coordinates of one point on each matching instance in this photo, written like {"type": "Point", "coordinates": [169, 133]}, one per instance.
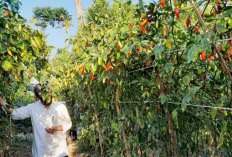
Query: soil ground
{"type": "Point", "coordinates": [23, 147]}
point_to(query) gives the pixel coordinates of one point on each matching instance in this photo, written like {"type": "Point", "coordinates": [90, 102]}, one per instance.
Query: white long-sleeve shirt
{"type": "Point", "coordinates": [45, 144]}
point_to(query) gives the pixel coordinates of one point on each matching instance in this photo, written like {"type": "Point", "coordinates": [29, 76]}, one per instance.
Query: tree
{"type": "Point", "coordinates": [55, 17]}
{"type": "Point", "coordinates": [79, 11]}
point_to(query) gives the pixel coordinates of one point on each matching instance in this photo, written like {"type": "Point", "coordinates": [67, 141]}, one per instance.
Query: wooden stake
{"type": "Point", "coordinates": [168, 115]}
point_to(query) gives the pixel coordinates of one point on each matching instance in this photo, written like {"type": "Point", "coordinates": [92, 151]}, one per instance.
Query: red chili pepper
{"type": "Point", "coordinates": [164, 33]}
{"type": "Point", "coordinates": [87, 44]}
{"type": "Point", "coordinates": [143, 28]}
{"type": "Point", "coordinates": [115, 60]}
{"type": "Point", "coordinates": [92, 77]}
{"type": "Point", "coordinates": [147, 62]}
{"type": "Point", "coordinates": [108, 69]}
{"type": "Point", "coordinates": [118, 46]}
{"type": "Point", "coordinates": [204, 77]}
{"type": "Point", "coordinates": [115, 71]}
{"type": "Point", "coordinates": [194, 96]}
{"type": "Point", "coordinates": [109, 80]}
{"type": "Point", "coordinates": [220, 48]}
{"type": "Point", "coordinates": [156, 97]}
{"type": "Point", "coordinates": [7, 12]}
{"type": "Point", "coordinates": [229, 51]}
{"type": "Point", "coordinates": [196, 29]}
{"type": "Point", "coordinates": [209, 56]}
{"type": "Point", "coordinates": [122, 64]}
{"type": "Point", "coordinates": [107, 65]}
{"type": "Point", "coordinates": [159, 107]}
{"type": "Point", "coordinates": [167, 88]}
{"type": "Point", "coordinates": [188, 21]}
{"type": "Point", "coordinates": [154, 45]}
{"type": "Point", "coordinates": [167, 28]}
{"type": "Point", "coordinates": [132, 24]}
{"type": "Point", "coordinates": [132, 42]}
{"type": "Point", "coordinates": [138, 48]}
{"type": "Point", "coordinates": [214, 28]}
{"type": "Point", "coordinates": [147, 48]}
{"type": "Point", "coordinates": [120, 94]}
{"type": "Point", "coordinates": [162, 3]}
{"type": "Point", "coordinates": [177, 13]}
{"type": "Point", "coordinates": [8, 81]}
{"type": "Point", "coordinates": [203, 55]}
{"type": "Point", "coordinates": [227, 58]}
{"type": "Point", "coordinates": [203, 87]}
{"type": "Point", "coordinates": [228, 37]}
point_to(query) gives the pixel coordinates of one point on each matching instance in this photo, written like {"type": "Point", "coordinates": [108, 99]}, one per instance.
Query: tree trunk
{"type": "Point", "coordinates": [80, 13]}
{"type": "Point", "coordinates": [168, 115]}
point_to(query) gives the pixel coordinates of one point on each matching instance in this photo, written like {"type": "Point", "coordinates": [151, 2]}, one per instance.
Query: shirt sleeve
{"type": "Point", "coordinates": [21, 113]}
{"type": "Point", "coordinates": [65, 120]}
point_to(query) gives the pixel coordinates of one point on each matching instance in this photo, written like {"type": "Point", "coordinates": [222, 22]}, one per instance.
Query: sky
{"type": "Point", "coordinates": [55, 37]}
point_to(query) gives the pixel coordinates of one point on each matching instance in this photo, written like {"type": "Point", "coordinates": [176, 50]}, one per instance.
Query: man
{"type": "Point", "coordinates": [50, 121]}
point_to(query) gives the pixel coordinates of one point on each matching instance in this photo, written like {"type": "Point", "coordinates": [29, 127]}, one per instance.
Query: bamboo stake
{"type": "Point", "coordinates": [123, 131]}
{"type": "Point", "coordinates": [168, 115]}
{"type": "Point", "coordinates": [99, 130]}
{"type": "Point", "coordinates": [4, 142]}
{"type": "Point", "coordinates": [212, 44]}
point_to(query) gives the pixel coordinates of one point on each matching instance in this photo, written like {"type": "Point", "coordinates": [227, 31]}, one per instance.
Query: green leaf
{"type": "Point", "coordinates": [221, 140]}
{"type": "Point", "coordinates": [187, 98]}
{"type": "Point", "coordinates": [158, 50]}
{"type": "Point", "coordinates": [93, 54]}
{"type": "Point", "coordinates": [51, 47]}
{"type": "Point", "coordinates": [26, 42]}
{"type": "Point", "coordinates": [186, 79]}
{"type": "Point", "coordinates": [7, 65]}
{"type": "Point", "coordinates": [163, 98]}
{"type": "Point", "coordinates": [183, 106]}
{"type": "Point", "coordinates": [174, 117]}
{"type": "Point", "coordinates": [226, 13]}
{"type": "Point", "coordinates": [213, 112]}
{"type": "Point", "coordinates": [204, 44]}
{"type": "Point", "coordinates": [34, 20]}
{"type": "Point", "coordinates": [134, 81]}
{"type": "Point", "coordinates": [193, 90]}
{"type": "Point", "coordinates": [168, 66]}
{"type": "Point", "coordinates": [191, 53]}
{"type": "Point", "coordinates": [220, 28]}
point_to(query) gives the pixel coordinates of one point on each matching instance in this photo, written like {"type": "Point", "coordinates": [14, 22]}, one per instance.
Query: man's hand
{"type": "Point", "coordinates": [2, 102]}
{"type": "Point", "coordinates": [54, 129]}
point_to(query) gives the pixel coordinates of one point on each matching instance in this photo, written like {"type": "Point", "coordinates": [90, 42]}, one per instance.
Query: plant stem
{"type": "Point", "coordinates": [168, 115]}
{"type": "Point", "coordinates": [212, 44]}
{"type": "Point", "coordinates": [123, 131]}
{"type": "Point", "coordinates": [97, 121]}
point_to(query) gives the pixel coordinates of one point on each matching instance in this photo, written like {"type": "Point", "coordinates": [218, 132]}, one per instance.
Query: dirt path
{"type": "Point", "coordinates": [23, 147]}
